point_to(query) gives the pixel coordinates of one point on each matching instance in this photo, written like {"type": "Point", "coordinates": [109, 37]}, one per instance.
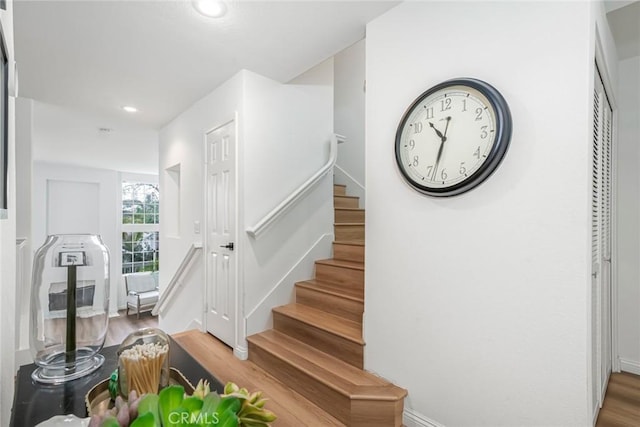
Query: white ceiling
{"type": "Point", "coordinates": [162, 56]}
{"type": "Point", "coordinates": [624, 21]}
{"type": "Point", "coordinates": [81, 138]}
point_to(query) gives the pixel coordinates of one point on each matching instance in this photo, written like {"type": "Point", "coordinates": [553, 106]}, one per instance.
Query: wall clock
{"type": "Point", "coordinates": [453, 137]}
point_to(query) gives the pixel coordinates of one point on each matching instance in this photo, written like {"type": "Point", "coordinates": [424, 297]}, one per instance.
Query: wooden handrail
{"type": "Point", "coordinates": [261, 226]}
{"type": "Point", "coordinates": [175, 282]}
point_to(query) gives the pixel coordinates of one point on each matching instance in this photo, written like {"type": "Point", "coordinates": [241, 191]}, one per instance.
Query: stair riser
{"type": "Point", "coordinates": [336, 404]}
{"type": "Point", "coordinates": [339, 190]}
{"type": "Point", "coordinates": [345, 276]}
{"type": "Point", "coordinates": [334, 345]}
{"type": "Point", "coordinates": [347, 308]}
{"type": "Point", "coordinates": [349, 233]}
{"type": "Point", "coordinates": [348, 252]}
{"type": "Point", "coordinates": [367, 413]}
{"type": "Point", "coordinates": [342, 216]}
{"type": "Point", "coordinates": [345, 202]}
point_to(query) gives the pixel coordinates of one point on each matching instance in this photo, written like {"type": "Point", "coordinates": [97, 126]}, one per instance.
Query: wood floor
{"type": "Point", "coordinates": [292, 409]}
{"type": "Point", "coordinates": [123, 325]}
{"type": "Point", "coordinates": [621, 406]}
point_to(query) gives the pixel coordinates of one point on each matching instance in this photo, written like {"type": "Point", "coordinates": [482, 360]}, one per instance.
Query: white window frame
{"type": "Point", "coordinates": [133, 228]}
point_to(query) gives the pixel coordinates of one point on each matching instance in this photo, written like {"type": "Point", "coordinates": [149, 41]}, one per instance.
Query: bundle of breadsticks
{"type": "Point", "coordinates": [143, 365]}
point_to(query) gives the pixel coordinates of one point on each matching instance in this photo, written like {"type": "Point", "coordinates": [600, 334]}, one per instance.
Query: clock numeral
{"type": "Point", "coordinates": [477, 153]}
{"type": "Point", "coordinates": [464, 105]}
{"type": "Point", "coordinates": [415, 161]}
{"type": "Point", "coordinates": [463, 170]}
{"type": "Point", "coordinates": [484, 133]}
{"type": "Point", "coordinates": [417, 127]}
{"type": "Point", "coordinates": [445, 104]}
{"type": "Point", "coordinates": [412, 144]}
{"type": "Point", "coordinates": [429, 113]}
{"type": "Point", "coordinates": [429, 170]}
{"type": "Point", "coordinates": [478, 114]}
{"type": "Point", "coordinates": [443, 174]}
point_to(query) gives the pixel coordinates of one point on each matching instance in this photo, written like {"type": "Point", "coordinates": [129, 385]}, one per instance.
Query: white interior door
{"type": "Point", "coordinates": [601, 242]}
{"type": "Point", "coordinates": [221, 233]}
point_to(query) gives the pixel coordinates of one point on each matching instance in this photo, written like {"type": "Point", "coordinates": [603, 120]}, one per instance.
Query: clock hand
{"type": "Point", "coordinates": [438, 157]}
{"type": "Point", "coordinates": [447, 127]}
{"type": "Point", "coordinates": [443, 138]}
{"type": "Point", "coordinates": [440, 135]}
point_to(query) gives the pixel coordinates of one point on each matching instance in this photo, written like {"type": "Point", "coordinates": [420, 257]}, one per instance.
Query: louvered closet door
{"type": "Point", "coordinates": [601, 240]}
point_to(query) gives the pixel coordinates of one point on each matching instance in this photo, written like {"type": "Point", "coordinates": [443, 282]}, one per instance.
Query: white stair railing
{"type": "Point", "coordinates": [261, 226]}
{"type": "Point", "coordinates": [176, 281]}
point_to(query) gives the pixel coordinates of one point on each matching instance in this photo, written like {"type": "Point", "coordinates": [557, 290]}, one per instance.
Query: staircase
{"type": "Point", "coordinates": [316, 345]}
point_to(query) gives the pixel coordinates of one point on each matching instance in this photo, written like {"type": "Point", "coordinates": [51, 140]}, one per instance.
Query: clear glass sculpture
{"type": "Point", "coordinates": [69, 307]}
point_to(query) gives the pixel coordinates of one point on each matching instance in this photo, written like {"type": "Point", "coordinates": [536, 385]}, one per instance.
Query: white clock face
{"type": "Point", "coordinates": [446, 137]}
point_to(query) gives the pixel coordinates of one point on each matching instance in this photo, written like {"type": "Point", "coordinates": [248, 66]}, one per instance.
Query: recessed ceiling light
{"type": "Point", "coordinates": [210, 8]}
{"type": "Point", "coordinates": [130, 109]}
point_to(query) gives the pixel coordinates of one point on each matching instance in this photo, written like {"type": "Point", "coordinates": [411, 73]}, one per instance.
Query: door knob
{"type": "Point", "coordinates": [228, 246]}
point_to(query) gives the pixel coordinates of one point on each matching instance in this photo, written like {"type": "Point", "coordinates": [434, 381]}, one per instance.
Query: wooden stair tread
{"type": "Point", "coordinates": [333, 289]}
{"type": "Point", "coordinates": [345, 196]}
{"type": "Point", "coordinates": [342, 263]}
{"type": "Point", "coordinates": [322, 320]}
{"type": "Point", "coordinates": [338, 208]}
{"type": "Point", "coordinates": [349, 223]}
{"type": "Point", "coordinates": [336, 374]}
{"type": "Point", "coordinates": [348, 242]}
{"type": "Point", "coordinates": [292, 408]}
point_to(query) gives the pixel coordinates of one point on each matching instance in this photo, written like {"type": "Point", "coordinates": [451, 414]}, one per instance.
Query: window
{"type": "Point", "coordinates": [140, 227]}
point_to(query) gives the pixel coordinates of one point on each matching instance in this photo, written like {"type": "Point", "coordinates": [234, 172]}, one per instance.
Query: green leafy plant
{"type": "Point", "coordinates": [252, 412]}
{"type": "Point", "coordinates": [173, 408]}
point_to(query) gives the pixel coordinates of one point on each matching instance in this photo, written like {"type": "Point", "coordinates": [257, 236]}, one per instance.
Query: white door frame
{"type": "Point", "coordinates": [205, 230]}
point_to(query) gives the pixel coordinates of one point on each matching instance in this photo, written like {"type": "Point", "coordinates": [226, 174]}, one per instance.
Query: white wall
{"type": "Point", "coordinates": [628, 211]}
{"type": "Point", "coordinates": [348, 117]}
{"type": "Point", "coordinates": [283, 134]}
{"type": "Point", "coordinates": [24, 133]}
{"type": "Point", "coordinates": [478, 304]}
{"type": "Point", "coordinates": [71, 148]}
{"type": "Point", "coordinates": [182, 148]}
{"type": "Point", "coordinates": [8, 247]}
{"type": "Point", "coordinates": [103, 215]}
{"type": "Point", "coordinates": [282, 150]}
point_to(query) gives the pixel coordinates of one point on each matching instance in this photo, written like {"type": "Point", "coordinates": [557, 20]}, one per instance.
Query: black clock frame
{"type": "Point", "coordinates": [502, 139]}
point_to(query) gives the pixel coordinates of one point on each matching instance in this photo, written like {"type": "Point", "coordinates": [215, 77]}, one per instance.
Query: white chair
{"type": "Point", "coordinates": [142, 291]}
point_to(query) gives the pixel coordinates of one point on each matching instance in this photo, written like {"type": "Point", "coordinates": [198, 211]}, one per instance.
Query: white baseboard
{"type": "Point", "coordinates": [411, 418]}
{"type": "Point", "coordinates": [194, 324]}
{"type": "Point", "coordinates": [241, 353]}
{"type": "Point", "coordinates": [596, 412]}
{"type": "Point", "coordinates": [354, 188]}
{"type": "Point", "coordinates": [630, 366]}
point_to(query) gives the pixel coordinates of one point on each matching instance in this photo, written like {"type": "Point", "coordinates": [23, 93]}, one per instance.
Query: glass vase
{"type": "Point", "coordinates": [69, 307]}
